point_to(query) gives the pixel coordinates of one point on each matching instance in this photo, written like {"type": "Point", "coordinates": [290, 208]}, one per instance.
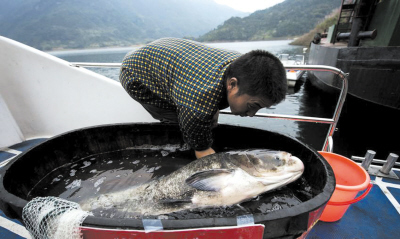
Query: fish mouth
{"type": "Point", "coordinates": [295, 164]}
{"type": "Point", "coordinates": [280, 180]}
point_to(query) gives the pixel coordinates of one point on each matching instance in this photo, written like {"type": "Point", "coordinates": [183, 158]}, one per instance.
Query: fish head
{"type": "Point", "coordinates": [275, 162]}
{"type": "Point", "coordinates": [270, 166]}
{"type": "Point", "coordinates": [244, 175]}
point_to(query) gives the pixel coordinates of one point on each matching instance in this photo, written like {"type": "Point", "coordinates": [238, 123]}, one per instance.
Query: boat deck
{"type": "Point", "coordinates": [376, 216]}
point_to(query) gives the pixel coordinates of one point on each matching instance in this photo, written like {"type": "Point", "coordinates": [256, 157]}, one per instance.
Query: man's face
{"type": "Point", "coordinates": [244, 104]}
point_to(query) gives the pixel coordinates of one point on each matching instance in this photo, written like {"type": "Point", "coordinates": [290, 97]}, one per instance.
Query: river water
{"type": "Point", "coordinates": [362, 125]}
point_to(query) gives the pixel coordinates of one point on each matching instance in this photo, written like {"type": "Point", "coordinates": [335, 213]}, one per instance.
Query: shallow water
{"type": "Point", "coordinates": [96, 175]}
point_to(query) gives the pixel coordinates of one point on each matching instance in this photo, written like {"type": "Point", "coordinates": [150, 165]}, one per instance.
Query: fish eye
{"type": "Point", "coordinates": [279, 161]}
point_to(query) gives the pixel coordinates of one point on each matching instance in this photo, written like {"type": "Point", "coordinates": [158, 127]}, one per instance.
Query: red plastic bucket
{"type": "Point", "coordinates": [350, 179]}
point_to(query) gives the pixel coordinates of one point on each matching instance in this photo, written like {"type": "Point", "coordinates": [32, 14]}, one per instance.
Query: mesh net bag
{"type": "Point", "coordinates": [53, 218]}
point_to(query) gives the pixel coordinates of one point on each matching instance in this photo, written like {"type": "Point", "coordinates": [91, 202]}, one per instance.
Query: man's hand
{"type": "Point", "coordinates": [200, 154]}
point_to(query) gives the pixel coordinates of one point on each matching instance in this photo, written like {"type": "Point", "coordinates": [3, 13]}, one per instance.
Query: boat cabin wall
{"type": "Point", "coordinates": [386, 21]}
{"type": "Point", "coordinates": [324, 55]}
{"type": "Point", "coordinates": [42, 95]}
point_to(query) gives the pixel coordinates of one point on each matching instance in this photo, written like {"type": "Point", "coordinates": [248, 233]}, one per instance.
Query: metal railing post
{"type": "Point", "coordinates": [342, 96]}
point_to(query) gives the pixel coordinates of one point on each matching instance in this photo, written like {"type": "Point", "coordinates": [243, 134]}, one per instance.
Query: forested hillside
{"type": "Point", "coordinates": [50, 24]}
{"type": "Point", "coordinates": [305, 39]}
{"type": "Point", "coordinates": [66, 24]}
{"type": "Point", "coordinates": [287, 19]}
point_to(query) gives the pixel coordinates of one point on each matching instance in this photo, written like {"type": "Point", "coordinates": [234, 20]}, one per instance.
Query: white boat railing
{"type": "Point", "coordinates": [328, 143]}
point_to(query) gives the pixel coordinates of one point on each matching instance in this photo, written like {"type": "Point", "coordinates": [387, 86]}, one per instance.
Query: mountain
{"type": "Point", "coordinates": [287, 19]}
{"type": "Point", "coordinates": [50, 24]}
{"type": "Point", "coordinates": [329, 20]}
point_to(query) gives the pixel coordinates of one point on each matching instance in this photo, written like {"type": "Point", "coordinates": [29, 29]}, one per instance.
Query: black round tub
{"type": "Point", "coordinates": [26, 171]}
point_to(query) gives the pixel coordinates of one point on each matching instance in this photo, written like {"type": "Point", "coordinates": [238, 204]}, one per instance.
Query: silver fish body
{"type": "Point", "coordinates": [220, 179]}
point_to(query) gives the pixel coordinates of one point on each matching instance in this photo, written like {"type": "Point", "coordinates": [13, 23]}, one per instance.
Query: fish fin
{"type": "Point", "coordinates": [175, 201]}
{"type": "Point", "coordinates": [210, 180]}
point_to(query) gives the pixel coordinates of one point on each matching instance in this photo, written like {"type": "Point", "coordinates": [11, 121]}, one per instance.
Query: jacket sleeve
{"type": "Point", "coordinates": [196, 128]}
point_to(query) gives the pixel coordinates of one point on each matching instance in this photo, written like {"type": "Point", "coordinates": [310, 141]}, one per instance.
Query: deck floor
{"type": "Point", "coordinates": [376, 216]}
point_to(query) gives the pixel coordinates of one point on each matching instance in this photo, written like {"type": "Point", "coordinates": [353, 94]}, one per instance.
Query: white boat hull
{"type": "Point", "coordinates": [73, 97]}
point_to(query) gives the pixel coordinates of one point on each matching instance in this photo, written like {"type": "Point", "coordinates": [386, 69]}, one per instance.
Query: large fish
{"type": "Point", "coordinates": [220, 179]}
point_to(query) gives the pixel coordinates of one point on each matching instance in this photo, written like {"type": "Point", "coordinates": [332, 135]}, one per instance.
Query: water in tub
{"type": "Point", "coordinates": [101, 175]}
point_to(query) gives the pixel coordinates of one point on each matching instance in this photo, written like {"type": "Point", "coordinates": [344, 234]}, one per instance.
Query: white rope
{"type": "Point", "coordinates": [53, 218]}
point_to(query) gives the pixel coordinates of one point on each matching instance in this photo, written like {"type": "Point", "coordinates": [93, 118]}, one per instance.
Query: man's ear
{"type": "Point", "coordinates": [232, 83]}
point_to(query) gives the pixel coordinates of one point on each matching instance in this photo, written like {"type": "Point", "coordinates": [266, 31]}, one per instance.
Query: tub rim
{"type": "Point", "coordinates": [16, 204]}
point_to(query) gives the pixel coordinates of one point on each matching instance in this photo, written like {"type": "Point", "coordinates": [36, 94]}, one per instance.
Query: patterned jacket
{"type": "Point", "coordinates": [181, 75]}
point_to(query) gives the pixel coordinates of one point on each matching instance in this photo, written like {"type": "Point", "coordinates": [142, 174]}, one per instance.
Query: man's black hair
{"type": "Point", "coordinates": [259, 73]}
